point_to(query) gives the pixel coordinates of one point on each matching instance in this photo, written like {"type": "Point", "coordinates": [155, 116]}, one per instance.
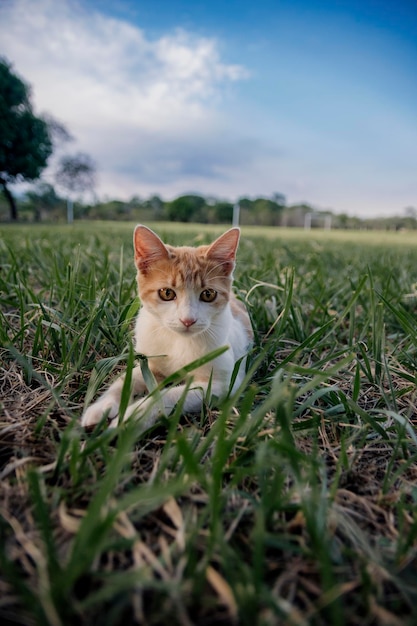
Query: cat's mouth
{"type": "Point", "coordinates": [194, 329]}
{"type": "Point", "coordinates": [189, 330]}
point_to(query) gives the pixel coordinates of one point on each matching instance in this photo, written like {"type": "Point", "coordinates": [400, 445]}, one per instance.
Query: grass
{"type": "Point", "coordinates": [295, 502]}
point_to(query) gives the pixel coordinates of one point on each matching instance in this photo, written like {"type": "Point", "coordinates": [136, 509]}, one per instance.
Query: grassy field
{"type": "Point", "coordinates": [295, 502]}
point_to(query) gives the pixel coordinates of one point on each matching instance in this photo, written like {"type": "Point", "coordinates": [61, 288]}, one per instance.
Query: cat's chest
{"type": "Point", "coordinates": [169, 354]}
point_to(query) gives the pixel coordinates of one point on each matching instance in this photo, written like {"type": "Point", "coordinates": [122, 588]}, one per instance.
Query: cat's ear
{"type": "Point", "coordinates": [223, 250]}
{"type": "Point", "coordinates": [148, 248]}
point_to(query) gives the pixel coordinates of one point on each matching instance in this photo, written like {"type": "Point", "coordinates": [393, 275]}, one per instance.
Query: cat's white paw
{"type": "Point", "coordinates": [146, 411]}
{"type": "Point", "coordinates": [96, 411]}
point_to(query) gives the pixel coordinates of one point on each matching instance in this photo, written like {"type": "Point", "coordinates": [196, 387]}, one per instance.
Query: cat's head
{"type": "Point", "coordinates": [185, 288]}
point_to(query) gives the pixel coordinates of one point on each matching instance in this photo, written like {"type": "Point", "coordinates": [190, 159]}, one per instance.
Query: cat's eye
{"type": "Point", "coordinates": [167, 294]}
{"type": "Point", "coordinates": [208, 295]}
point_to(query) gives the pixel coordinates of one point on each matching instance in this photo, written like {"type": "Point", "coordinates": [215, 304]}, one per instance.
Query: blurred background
{"type": "Point", "coordinates": [302, 111]}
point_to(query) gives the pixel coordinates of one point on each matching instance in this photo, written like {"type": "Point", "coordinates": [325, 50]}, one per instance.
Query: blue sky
{"type": "Point", "coordinates": [316, 100]}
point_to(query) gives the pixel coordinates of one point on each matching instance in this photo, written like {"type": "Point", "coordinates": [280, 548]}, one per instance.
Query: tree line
{"type": "Point", "coordinates": [27, 142]}
{"type": "Point", "coordinates": [44, 203]}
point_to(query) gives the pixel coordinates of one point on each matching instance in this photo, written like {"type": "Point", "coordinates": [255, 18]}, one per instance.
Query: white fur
{"type": "Point", "coordinates": [170, 345]}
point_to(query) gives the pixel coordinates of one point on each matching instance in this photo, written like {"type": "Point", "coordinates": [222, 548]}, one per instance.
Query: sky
{"type": "Point", "coordinates": [316, 99]}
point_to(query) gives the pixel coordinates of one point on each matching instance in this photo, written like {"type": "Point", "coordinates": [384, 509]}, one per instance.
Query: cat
{"type": "Point", "coordinates": [187, 310]}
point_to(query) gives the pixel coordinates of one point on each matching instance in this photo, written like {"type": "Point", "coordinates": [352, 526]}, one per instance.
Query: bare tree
{"type": "Point", "coordinates": [75, 174]}
{"type": "Point", "coordinates": [58, 133]}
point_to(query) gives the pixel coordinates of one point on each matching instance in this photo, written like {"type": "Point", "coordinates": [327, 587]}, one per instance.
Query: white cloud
{"type": "Point", "coordinates": [161, 115]}
{"type": "Point", "coordinates": [140, 107]}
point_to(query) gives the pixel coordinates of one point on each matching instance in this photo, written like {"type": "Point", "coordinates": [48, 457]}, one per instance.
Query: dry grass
{"type": "Point", "coordinates": [293, 503]}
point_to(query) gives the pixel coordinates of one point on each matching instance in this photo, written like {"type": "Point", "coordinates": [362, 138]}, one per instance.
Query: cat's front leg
{"type": "Point", "coordinates": [146, 410]}
{"type": "Point", "coordinates": [109, 403]}
{"type": "Point", "coordinates": [149, 409]}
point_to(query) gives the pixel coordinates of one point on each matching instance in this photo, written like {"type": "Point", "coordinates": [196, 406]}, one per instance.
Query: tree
{"type": "Point", "coordinates": [75, 174]}
{"type": "Point", "coordinates": [43, 198]}
{"type": "Point", "coordinates": [186, 208]}
{"type": "Point", "coordinates": [262, 211]}
{"type": "Point", "coordinates": [25, 140]}
{"type": "Point", "coordinates": [156, 204]}
{"type": "Point", "coordinates": [223, 212]}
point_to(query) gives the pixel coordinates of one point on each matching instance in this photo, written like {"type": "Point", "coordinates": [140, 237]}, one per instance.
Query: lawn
{"type": "Point", "coordinates": [294, 502]}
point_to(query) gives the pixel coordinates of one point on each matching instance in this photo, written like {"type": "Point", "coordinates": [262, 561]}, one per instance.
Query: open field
{"type": "Point", "coordinates": [294, 502]}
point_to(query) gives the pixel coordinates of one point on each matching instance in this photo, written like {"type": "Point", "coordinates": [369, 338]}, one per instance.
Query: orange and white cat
{"type": "Point", "coordinates": [187, 310]}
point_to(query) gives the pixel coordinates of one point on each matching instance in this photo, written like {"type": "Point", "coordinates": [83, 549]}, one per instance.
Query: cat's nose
{"type": "Point", "coordinates": [188, 321]}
